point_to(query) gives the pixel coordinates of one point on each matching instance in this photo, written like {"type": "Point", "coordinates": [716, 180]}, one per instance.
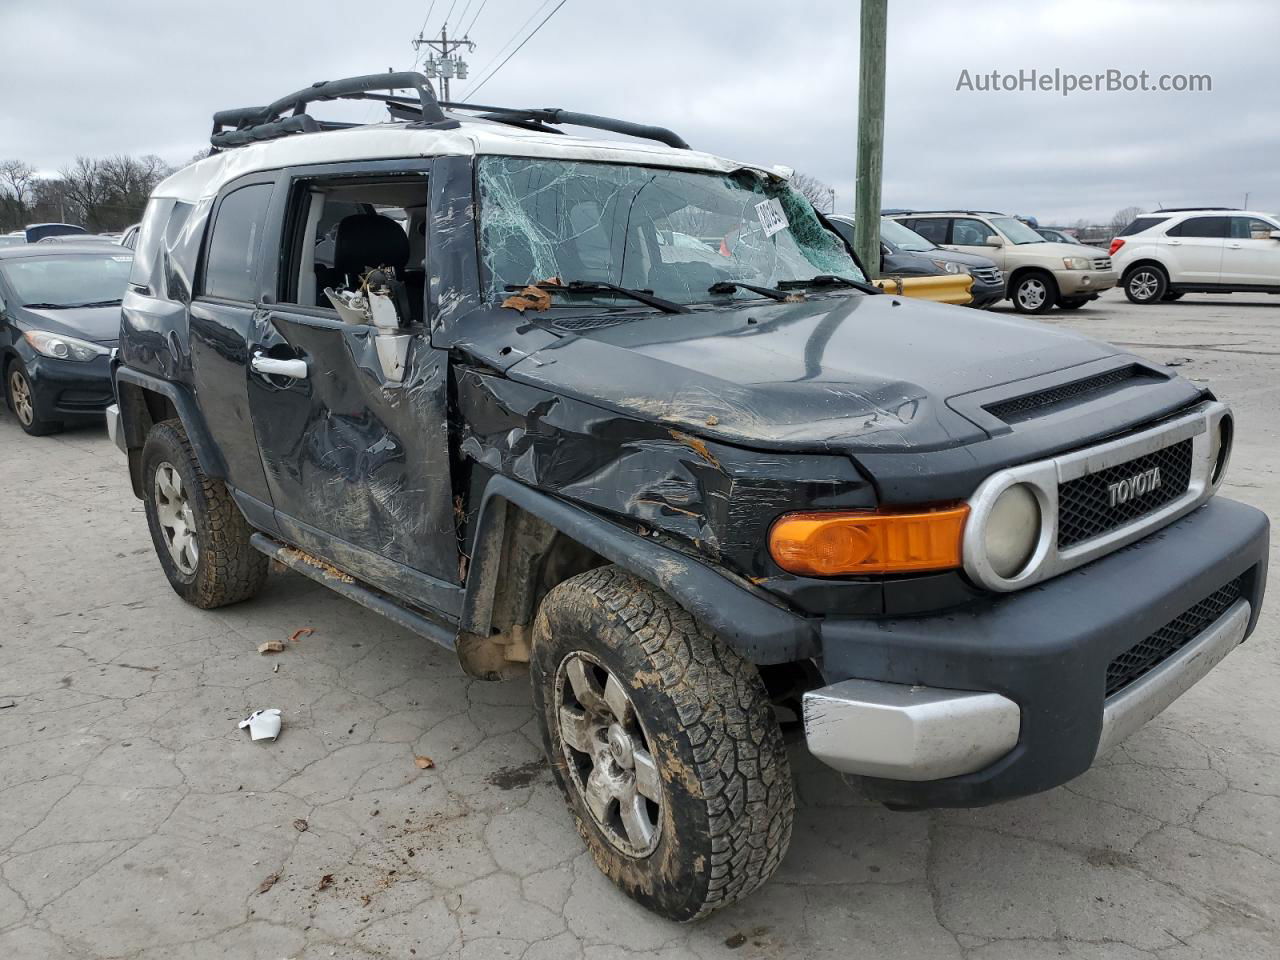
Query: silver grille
{"type": "Point", "coordinates": [1102, 263]}
{"type": "Point", "coordinates": [988, 274]}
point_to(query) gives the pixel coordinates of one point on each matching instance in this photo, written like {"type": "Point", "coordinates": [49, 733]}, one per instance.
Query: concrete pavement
{"type": "Point", "coordinates": [137, 821]}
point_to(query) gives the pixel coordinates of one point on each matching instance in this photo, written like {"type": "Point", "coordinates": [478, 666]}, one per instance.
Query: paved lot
{"type": "Point", "coordinates": [136, 821]}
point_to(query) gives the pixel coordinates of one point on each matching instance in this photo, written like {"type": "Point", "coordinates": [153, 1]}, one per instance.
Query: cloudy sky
{"type": "Point", "coordinates": [762, 81]}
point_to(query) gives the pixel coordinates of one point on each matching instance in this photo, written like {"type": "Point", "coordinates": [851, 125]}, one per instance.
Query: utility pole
{"type": "Point", "coordinates": [871, 62]}
{"type": "Point", "coordinates": [448, 65]}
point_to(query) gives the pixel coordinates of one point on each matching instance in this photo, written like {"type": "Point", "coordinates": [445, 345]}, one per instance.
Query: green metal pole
{"type": "Point", "coordinates": [871, 57]}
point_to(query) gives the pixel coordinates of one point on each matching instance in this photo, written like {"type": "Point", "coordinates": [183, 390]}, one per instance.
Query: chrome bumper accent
{"type": "Point", "coordinates": [115, 427]}
{"type": "Point", "coordinates": [1044, 477]}
{"type": "Point", "coordinates": [900, 732]}
{"type": "Point", "coordinates": [1149, 695]}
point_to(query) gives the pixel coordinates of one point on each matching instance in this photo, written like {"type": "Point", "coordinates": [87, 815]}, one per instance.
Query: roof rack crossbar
{"type": "Point", "coordinates": [250, 124]}
{"type": "Point", "coordinates": [555, 115]}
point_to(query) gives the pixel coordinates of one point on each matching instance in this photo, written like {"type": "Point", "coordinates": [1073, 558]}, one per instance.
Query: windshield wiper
{"type": "Point", "coordinates": [827, 280]}
{"type": "Point", "coordinates": [99, 303]}
{"type": "Point", "coordinates": [728, 286]}
{"type": "Point", "coordinates": [599, 286]}
{"type": "Point", "coordinates": [47, 306]}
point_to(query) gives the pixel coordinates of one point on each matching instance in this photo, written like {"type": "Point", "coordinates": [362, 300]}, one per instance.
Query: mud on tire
{"type": "Point", "coordinates": [724, 820]}
{"type": "Point", "coordinates": [227, 569]}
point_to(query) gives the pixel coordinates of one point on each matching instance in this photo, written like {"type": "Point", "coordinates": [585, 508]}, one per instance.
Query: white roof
{"type": "Point", "coordinates": [396, 140]}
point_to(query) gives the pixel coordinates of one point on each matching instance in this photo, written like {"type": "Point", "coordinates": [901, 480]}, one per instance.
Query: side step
{"type": "Point", "coordinates": [368, 597]}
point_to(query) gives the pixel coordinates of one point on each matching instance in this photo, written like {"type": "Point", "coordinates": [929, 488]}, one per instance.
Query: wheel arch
{"type": "Point", "coordinates": [1145, 261]}
{"type": "Point", "coordinates": [1018, 273]}
{"type": "Point", "coordinates": [144, 401]}
{"type": "Point", "coordinates": [527, 541]}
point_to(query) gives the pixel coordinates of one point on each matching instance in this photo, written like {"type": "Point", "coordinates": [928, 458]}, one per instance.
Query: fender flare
{"type": "Point", "coordinates": [137, 419]}
{"type": "Point", "coordinates": [758, 629]}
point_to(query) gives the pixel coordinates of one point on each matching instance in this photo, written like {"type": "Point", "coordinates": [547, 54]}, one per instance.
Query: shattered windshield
{"type": "Point", "coordinates": [673, 232]}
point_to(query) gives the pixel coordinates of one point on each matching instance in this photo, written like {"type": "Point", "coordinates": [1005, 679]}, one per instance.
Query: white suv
{"type": "Point", "coordinates": [1164, 254]}
{"type": "Point", "coordinates": [1041, 274]}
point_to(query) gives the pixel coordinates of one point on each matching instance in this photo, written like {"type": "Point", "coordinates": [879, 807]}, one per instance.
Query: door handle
{"type": "Point", "coordinates": [1175, 243]}
{"type": "Point", "coordinates": [271, 367]}
{"type": "Point", "coordinates": [1234, 246]}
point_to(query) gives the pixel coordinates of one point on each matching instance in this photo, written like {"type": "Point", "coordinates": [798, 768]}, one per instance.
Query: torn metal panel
{"type": "Point", "coordinates": [717, 498]}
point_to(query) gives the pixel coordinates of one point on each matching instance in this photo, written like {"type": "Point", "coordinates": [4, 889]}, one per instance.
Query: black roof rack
{"type": "Point", "coordinates": [1185, 210]}
{"type": "Point", "coordinates": [244, 125]}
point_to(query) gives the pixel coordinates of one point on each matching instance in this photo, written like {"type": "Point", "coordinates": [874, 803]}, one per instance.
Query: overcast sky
{"type": "Point", "coordinates": [767, 82]}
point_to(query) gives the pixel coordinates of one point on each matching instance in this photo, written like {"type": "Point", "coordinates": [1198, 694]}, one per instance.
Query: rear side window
{"type": "Point", "coordinates": [1140, 224]}
{"type": "Point", "coordinates": [231, 268]}
{"type": "Point", "coordinates": [934, 230]}
{"type": "Point", "coordinates": [1215, 227]}
{"type": "Point", "coordinates": [1250, 228]}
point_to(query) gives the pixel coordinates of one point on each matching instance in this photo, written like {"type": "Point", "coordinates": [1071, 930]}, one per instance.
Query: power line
{"type": "Point", "coordinates": [448, 16]}
{"type": "Point", "coordinates": [463, 15]}
{"type": "Point", "coordinates": [423, 28]}
{"type": "Point", "coordinates": [542, 5]}
{"type": "Point", "coordinates": [483, 4]}
{"type": "Point", "coordinates": [476, 90]}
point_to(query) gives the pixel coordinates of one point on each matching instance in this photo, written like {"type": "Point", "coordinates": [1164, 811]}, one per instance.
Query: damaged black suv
{"type": "Point", "coordinates": [627, 418]}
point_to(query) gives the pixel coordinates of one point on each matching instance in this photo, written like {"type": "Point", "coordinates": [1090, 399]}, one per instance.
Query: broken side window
{"type": "Point", "coordinates": [673, 232]}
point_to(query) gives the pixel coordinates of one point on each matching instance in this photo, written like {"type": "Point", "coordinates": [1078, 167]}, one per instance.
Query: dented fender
{"type": "Point", "coordinates": [742, 616]}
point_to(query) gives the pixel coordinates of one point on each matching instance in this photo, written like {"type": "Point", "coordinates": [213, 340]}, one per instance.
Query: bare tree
{"type": "Point", "coordinates": [1122, 218]}
{"type": "Point", "coordinates": [16, 177]}
{"type": "Point", "coordinates": [821, 195]}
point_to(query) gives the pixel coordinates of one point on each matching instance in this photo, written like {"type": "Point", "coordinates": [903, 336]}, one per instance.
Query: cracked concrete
{"type": "Point", "coordinates": [137, 822]}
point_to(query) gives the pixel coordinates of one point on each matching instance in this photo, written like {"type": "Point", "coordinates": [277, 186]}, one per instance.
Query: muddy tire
{"type": "Point", "coordinates": [20, 396]}
{"type": "Point", "coordinates": [664, 743]}
{"type": "Point", "coordinates": [200, 535]}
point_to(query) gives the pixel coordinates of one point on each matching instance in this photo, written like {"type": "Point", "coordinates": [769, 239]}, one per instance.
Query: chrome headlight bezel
{"type": "Point", "coordinates": [57, 346]}
{"type": "Point", "coordinates": [1201, 426]}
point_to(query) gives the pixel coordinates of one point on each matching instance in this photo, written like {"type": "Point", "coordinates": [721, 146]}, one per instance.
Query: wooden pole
{"type": "Point", "coordinates": [871, 58]}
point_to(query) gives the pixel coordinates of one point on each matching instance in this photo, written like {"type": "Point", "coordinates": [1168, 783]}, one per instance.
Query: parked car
{"type": "Point", "coordinates": [35, 232]}
{"type": "Point", "coordinates": [130, 236]}
{"type": "Point", "coordinates": [673, 494]}
{"type": "Point", "coordinates": [59, 320]}
{"type": "Point", "coordinates": [1058, 236]}
{"type": "Point", "coordinates": [82, 238]}
{"type": "Point", "coordinates": [1039, 275]}
{"type": "Point", "coordinates": [903, 252]}
{"type": "Point", "coordinates": [12, 239]}
{"type": "Point", "coordinates": [1168, 253]}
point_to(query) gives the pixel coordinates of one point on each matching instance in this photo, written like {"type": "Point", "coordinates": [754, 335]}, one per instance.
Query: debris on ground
{"type": "Point", "coordinates": [263, 724]}
{"type": "Point", "coordinates": [300, 633]}
{"type": "Point", "coordinates": [6, 706]}
{"type": "Point", "coordinates": [271, 646]}
{"type": "Point", "coordinates": [268, 883]}
{"type": "Point", "coordinates": [424, 763]}
{"type": "Point", "coordinates": [301, 825]}
{"type": "Point", "coordinates": [1179, 361]}
{"type": "Point", "coordinates": [325, 882]}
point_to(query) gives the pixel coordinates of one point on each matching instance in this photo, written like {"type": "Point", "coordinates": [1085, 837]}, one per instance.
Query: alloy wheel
{"type": "Point", "coordinates": [20, 394]}
{"type": "Point", "coordinates": [1032, 293]}
{"type": "Point", "coordinates": [610, 763]}
{"type": "Point", "coordinates": [177, 523]}
{"type": "Point", "coordinates": [1144, 284]}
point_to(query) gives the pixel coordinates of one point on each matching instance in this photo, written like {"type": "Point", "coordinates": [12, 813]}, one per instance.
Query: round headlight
{"type": "Point", "coordinates": [1012, 530]}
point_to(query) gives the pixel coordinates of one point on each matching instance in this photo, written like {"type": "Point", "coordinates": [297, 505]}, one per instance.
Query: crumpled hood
{"type": "Point", "coordinates": [98, 324]}
{"type": "Point", "coordinates": [839, 373]}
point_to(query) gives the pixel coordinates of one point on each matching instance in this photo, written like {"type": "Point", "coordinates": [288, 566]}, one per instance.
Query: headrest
{"type": "Point", "coordinates": [369, 240]}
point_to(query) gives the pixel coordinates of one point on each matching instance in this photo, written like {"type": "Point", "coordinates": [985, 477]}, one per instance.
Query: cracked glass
{"type": "Point", "coordinates": [675, 233]}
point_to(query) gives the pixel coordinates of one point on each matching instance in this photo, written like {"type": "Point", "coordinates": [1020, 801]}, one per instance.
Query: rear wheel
{"type": "Point", "coordinates": [21, 397]}
{"type": "Point", "coordinates": [664, 743]}
{"type": "Point", "coordinates": [199, 533]}
{"type": "Point", "coordinates": [1034, 292]}
{"type": "Point", "coordinates": [1146, 284]}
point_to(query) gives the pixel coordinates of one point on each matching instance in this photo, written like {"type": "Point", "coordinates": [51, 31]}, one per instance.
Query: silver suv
{"type": "Point", "coordinates": [1041, 274]}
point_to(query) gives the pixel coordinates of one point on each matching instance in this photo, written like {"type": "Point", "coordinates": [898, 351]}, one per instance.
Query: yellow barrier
{"type": "Point", "coordinates": [952, 288]}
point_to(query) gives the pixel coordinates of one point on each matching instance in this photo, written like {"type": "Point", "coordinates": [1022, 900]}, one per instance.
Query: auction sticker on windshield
{"type": "Point", "coordinates": [772, 217]}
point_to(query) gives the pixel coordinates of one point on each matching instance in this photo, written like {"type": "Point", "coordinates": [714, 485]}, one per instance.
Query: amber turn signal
{"type": "Point", "coordinates": [843, 544]}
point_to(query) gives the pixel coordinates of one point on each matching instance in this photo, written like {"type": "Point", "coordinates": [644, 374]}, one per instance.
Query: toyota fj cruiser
{"type": "Point", "coordinates": [626, 418]}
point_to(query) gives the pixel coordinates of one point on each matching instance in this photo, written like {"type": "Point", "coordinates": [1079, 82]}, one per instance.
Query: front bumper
{"type": "Point", "coordinates": [1075, 283]}
{"type": "Point", "coordinates": [70, 390]}
{"type": "Point", "coordinates": [928, 719]}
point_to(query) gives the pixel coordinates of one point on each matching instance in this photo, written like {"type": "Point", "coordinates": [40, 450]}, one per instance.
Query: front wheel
{"type": "Point", "coordinates": [1146, 284]}
{"type": "Point", "coordinates": [21, 396]}
{"type": "Point", "coordinates": [1034, 293]}
{"type": "Point", "coordinates": [664, 743]}
{"type": "Point", "coordinates": [199, 533]}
